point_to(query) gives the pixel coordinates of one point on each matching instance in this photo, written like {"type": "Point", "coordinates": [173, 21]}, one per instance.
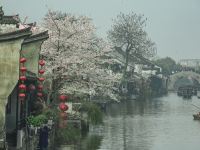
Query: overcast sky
{"type": "Point", "coordinates": [173, 24]}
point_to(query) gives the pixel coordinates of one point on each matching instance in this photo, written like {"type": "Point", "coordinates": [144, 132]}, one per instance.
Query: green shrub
{"type": "Point", "coordinates": [91, 142]}
{"type": "Point", "coordinates": [95, 115]}
{"type": "Point", "coordinates": [37, 121]}
{"type": "Point", "coordinates": [68, 135]}
{"type": "Point", "coordinates": [51, 113]}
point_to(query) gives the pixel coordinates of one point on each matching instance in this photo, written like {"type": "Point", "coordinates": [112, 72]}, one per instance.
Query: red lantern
{"type": "Point", "coordinates": [41, 62]}
{"type": "Point", "coordinates": [23, 78]}
{"type": "Point", "coordinates": [63, 115]}
{"type": "Point", "coordinates": [23, 69]}
{"type": "Point", "coordinates": [40, 87]}
{"type": "Point", "coordinates": [62, 97]}
{"type": "Point", "coordinates": [22, 87]}
{"type": "Point", "coordinates": [41, 71]}
{"type": "Point", "coordinates": [39, 94]}
{"type": "Point", "coordinates": [22, 60]}
{"type": "Point", "coordinates": [63, 107]}
{"type": "Point", "coordinates": [22, 95]}
{"type": "Point", "coordinates": [41, 79]}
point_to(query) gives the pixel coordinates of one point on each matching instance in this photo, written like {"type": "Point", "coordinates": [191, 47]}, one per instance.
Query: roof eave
{"type": "Point", "coordinates": [37, 37]}
{"type": "Point", "coordinates": [15, 35]}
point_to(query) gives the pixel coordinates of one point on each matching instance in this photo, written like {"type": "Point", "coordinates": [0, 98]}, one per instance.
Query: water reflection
{"type": "Point", "coordinates": [159, 124]}
{"type": "Point", "coordinates": [91, 142]}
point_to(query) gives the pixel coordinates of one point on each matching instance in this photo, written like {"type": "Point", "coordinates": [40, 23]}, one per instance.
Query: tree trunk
{"type": "Point", "coordinates": [126, 63]}
{"type": "Point", "coordinates": [55, 89]}
{"type": "Point", "coordinates": [50, 92]}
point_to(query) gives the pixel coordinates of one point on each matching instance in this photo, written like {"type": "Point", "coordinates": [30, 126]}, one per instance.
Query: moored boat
{"type": "Point", "coordinates": [196, 117]}
{"type": "Point", "coordinates": [186, 91]}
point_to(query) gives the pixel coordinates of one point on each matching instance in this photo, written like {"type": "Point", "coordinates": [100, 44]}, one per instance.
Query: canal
{"type": "Point", "coordinates": [164, 123]}
{"type": "Point", "coordinates": [158, 124]}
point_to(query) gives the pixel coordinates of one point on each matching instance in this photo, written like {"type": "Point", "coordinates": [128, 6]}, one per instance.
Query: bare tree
{"type": "Point", "coordinates": [128, 34]}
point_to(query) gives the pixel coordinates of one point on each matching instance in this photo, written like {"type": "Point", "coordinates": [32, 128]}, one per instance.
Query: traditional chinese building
{"type": "Point", "coordinates": [19, 78]}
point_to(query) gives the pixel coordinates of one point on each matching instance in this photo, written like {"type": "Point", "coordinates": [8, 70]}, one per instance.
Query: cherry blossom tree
{"type": "Point", "coordinates": [74, 56]}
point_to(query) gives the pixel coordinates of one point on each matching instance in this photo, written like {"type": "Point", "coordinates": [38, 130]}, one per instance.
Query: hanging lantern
{"type": "Point", "coordinates": [40, 87]}
{"type": "Point", "coordinates": [22, 87]}
{"type": "Point", "coordinates": [40, 90]}
{"type": "Point", "coordinates": [41, 71]}
{"type": "Point", "coordinates": [62, 97]}
{"type": "Point", "coordinates": [23, 69]}
{"type": "Point", "coordinates": [22, 95]}
{"type": "Point", "coordinates": [63, 115]}
{"type": "Point", "coordinates": [31, 87]}
{"type": "Point", "coordinates": [41, 62]}
{"type": "Point", "coordinates": [41, 79]}
{"type": "Point", "coordinates": [22, 60]}
{"type": "Point", "coordinates": [39, 94]}
{"type": "Point", "coordinates": [63, 107]}
{"type": "Point", "coordinates": [23, 78]}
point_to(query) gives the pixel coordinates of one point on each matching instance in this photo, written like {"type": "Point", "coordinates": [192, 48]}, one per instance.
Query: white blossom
{"type": "Point", "coordinates": [75, 52]}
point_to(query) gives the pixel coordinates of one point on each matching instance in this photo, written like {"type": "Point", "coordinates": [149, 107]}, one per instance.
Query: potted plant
{"type": "Point", "coordinates": [35, 122]}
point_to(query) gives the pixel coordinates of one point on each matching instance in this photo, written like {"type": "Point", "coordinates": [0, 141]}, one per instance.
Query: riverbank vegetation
{"type": "Point", "coordinates": [69, 135]}
{"type": "Point", "coordinates": [169, 66]}
{"type": "Point", "coordinates": [94, 114]}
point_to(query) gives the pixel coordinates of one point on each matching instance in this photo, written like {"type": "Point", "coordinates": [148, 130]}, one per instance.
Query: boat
{"type": "Point", "coordinates": [186, 91]}
{"type": "Point", "coordinates": [196, 117]}
{"type": "Point", "coordinates": [187, 96]}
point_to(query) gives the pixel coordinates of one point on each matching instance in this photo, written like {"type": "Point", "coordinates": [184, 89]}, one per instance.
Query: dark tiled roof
{"type": "Point", "coordinates": [136, 57]}
{"type": "Point", "coordinates": [15, 35]}
{"type": "Point", "coordinates": [8, 19]}
{"type": "Point", "coordinates": [37, 37]}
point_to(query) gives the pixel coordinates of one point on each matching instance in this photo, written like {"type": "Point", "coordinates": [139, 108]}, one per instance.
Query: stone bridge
{"type": "Point", "coordinates": [183, 78]}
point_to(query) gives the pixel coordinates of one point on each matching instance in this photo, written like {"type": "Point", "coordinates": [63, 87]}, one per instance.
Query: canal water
{"type": "Point", "coordinates": [164, 123]}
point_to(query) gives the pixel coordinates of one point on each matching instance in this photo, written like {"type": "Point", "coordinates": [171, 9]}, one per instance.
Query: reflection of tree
{"type": "Point", "coordinates": [129, 125]}
{"type": "Point", "coordinates": [124, 126]}
{"type": "Point", "coordinates": [92, 142]}
{"type": "Point", "coordinates": [133, 107]}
